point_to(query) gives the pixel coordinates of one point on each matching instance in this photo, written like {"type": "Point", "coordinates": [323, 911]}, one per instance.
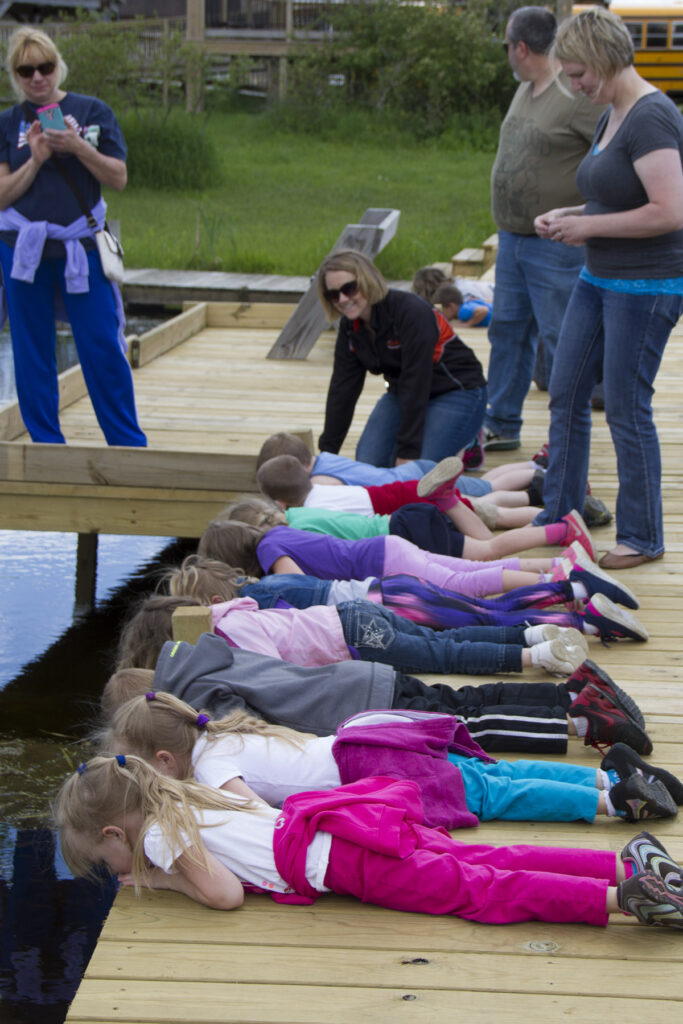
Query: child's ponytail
{"type": "Point", "coordinates": [206, 579]}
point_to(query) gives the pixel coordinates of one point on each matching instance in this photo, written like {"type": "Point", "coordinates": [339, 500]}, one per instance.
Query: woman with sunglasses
{"type": "Point", "coordinates": [436, 390]}
{"type": "Point", "coordinates": [48, 258]}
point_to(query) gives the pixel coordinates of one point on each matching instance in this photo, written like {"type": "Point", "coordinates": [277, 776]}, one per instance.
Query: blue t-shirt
{"type": "Point", "coordinates": [362, 474]}
{"type": "Point", "coordinates": [49, 196]}
{"type": "Point", "coordinates": [467, 310]}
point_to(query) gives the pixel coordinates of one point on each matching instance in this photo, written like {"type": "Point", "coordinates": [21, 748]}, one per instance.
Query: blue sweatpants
{"type": "Point", "coordinates": [94, 324]}
{"type": "Point", "coordinates": [528, 790]}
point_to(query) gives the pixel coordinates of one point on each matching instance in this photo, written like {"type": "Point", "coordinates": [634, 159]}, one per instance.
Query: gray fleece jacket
{"type": "Point", "coordinates": [221, 678]}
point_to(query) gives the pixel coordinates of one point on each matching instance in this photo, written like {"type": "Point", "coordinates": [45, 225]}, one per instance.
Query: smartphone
{"type": "Point", "coordinates": [51, 118]}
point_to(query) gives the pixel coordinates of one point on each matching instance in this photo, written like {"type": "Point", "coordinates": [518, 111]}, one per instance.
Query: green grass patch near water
{"type": "Point", "coordinates": [283, 198]}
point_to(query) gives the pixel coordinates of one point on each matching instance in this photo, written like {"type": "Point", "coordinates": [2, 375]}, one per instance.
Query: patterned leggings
{"type": "Point", "coordinates": [430, 605]}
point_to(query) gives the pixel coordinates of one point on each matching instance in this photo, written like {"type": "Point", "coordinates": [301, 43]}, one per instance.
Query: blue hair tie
{"type": "Point", "coordinates": [121, 760]}
{"type": "Point", "coordinates": [82, 767]}
{"type": "Point", "coordinates": [202, 720]}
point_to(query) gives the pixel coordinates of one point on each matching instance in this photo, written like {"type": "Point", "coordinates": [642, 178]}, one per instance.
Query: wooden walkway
{"type": "Point", "coordinates": [164, 959]}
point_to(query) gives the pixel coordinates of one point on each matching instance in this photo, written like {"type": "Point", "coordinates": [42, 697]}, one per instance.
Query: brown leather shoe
{"type": "Point", "coordinates": [614, 561]}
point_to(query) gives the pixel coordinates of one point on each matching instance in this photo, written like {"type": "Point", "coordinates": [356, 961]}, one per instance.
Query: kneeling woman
{"type": "Point", "coordinates": [436, 396]}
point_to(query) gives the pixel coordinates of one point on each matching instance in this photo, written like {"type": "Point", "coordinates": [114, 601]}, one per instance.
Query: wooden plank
{"type": "Point", "coordinates": [467, 261]}
{"type": "Point", "coordinates": [267, 315]}
{"type": "Point", "coordinates": [376, 229]}
{"type": "Point", "coordinates": [166, 336]}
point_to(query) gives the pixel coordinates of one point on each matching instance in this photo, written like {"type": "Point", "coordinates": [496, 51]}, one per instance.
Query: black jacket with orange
{"type": "Point", "coordinates": [416, 350]}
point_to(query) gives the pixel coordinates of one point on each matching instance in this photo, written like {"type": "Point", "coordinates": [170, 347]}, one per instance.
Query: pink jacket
{"type": "Point", "coordinates": [308, 636]}
{"type": "Point", "coordinates": [416, 750]}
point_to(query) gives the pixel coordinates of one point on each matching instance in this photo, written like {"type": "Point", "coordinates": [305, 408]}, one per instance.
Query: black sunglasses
{"type": "Point", "coordinates": [349, 290]}
{"type": "Point", "coordinates": [29, 70]}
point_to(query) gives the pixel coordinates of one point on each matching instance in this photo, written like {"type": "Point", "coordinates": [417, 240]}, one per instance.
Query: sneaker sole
{"type": "Point", "coordinates": [505, 445]}
{"type": "Point", "coordinates": [621, 617]}
{"type": "Point", "coordinates": [446, 470]}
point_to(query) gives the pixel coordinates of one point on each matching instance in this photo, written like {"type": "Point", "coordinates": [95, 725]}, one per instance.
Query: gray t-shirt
{"type": "Point", "coordinates": [609, 184]}
{"type": "Point", "coordinates": [542, 141]}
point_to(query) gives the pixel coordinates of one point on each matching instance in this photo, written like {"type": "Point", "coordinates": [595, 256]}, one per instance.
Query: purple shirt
{"type": "Point", "coordinates": [328, 558]}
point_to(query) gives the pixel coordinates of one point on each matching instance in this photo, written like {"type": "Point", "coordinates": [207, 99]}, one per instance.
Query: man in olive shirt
{"type": "Point", "coordinates": [543, 138]}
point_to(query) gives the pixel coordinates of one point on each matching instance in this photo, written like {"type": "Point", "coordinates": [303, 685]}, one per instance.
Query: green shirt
{"type": "Point", "coordinates": [347, 525]}
{"type": "Point", "coordinates": [543, 140]}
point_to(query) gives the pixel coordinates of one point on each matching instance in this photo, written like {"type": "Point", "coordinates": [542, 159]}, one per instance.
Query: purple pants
{"type": "Point", "coordinates": [496, 885]}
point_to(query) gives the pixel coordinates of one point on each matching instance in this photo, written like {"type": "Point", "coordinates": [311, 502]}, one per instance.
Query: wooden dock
{"type": "Point", "coordinates": [164, 959]}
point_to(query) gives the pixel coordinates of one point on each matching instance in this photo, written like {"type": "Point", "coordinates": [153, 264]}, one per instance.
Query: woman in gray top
{"type": "Point", "coordinates": [630, 293]}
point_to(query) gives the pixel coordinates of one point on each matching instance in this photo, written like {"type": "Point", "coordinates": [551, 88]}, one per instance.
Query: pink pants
{"type": "Point", "coordinates": [497, 885]}
{"type": "Point", "coordinates": [476, 579]}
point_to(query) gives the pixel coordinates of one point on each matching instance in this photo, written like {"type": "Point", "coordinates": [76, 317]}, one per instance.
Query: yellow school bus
{"type": "Point", "coordinates": [657, 33]}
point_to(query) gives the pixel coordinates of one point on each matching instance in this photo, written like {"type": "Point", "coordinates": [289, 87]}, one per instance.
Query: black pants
{"type": "Point", "coordinates": [516, 717]}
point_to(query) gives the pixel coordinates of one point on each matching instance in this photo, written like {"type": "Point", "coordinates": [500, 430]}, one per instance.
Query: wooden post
{"type": "Point", "coordinates": [194, 33]}
{"type": "Point", "coordinates": [190, 622]}
{"type": "Point", "coordinates": [86, 573]}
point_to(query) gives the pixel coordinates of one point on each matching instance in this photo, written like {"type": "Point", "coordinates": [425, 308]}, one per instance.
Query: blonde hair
{"type": "Point", "coordinates": [255, 512]}
{"type": "Point", "coordinates": [108, 790]}
{"type": "Point", "coordinates": [372, 285]}
{"type": "Point", "coordinates": [284, 479]}
{"type": "Point", "coordinates": [160, 721]}
{"type": "Point", "coordinates": [205, 579]}
{"type": "Point", "coordinates": [597, 38]}
{"type": "Point", "coordinates": [148, 629]}
{"type": "Point", "coordinates": [284, 444]}
{"type": "Point", "coordinates": [122, 686]}
{"type": "Point", "coordinates": [30, 38]}
{"type": "Point", "coordinates": [233, 542]}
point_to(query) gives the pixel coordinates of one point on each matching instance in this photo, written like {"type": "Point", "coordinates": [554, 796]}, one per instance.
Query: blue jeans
{"type": "Point", "coordinates": [534, 280]}
{"type": "Point", "coordinates": [620, 337]}
{"type": "Point", "coordinates": [528, 790]}
{"type": "Point", "coordinates": [94, 325]}
{"type": "Point", "coordinates": [451, 422]}
{"type": "Point", "coordinates": [376, 634]}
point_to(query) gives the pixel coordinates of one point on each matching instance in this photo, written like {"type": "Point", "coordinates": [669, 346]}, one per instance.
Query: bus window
{"type": "Point", "coordinates": [657, 33]}
{"type": "Point", "coordinates": [636, 30]}
{"type": "Point", "coordinates": [677, 35]}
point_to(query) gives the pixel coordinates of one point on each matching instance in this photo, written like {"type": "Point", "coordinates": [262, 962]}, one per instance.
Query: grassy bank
{"type": "Point", "coordinates": [285, 198]}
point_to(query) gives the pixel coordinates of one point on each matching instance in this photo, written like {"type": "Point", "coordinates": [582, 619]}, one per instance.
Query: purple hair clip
{"type": "Point", "coordinates": [202, 720]}
{"type": "Point", "coordinates": [150, 695]}
{"type": "Point", "coordinates": [82, 767]}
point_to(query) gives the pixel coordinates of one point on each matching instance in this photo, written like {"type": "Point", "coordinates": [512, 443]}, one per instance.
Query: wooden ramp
{"type": "Point", "coordinates": [163, 959]}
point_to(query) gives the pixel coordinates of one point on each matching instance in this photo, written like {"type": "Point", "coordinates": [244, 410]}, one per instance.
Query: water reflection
{"type": "Point", "coordinates": [52, 671]}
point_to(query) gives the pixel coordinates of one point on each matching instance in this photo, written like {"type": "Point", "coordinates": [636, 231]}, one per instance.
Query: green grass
{"type": "Point", "coordinates": [284, 199]}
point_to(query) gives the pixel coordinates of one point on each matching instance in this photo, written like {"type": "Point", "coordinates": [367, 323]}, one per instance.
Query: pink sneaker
{"type": "Point", "coordinates": [577, 530]}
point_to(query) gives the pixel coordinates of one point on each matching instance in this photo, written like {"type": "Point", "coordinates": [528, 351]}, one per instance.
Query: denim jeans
{"type": "Point", "coordinates": [534, 279]}
{"type": "Point", "coordinates": [376, 634]}
{"type": "Point", "coordinates": [451, 423]}
{"type": "Point", "coordinates": [621, 337]}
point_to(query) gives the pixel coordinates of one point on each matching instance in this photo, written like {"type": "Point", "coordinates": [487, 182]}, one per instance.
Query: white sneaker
{"type": "Point", "coordinates": [535, 635]}
{"type": "Point", "coordinates": [558, 656]}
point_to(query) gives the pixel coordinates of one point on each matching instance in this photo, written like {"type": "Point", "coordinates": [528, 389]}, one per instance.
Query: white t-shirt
{"type": "Point", "coordinates": [340, 499]}
{"type": "Point", "coordinates": [243, 842]}
{"type": "Point", "coordinates": [272, 767]}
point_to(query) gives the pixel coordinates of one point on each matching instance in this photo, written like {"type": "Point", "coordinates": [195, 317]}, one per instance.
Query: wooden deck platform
{"type": "Point", "coordinates": [164, 959]}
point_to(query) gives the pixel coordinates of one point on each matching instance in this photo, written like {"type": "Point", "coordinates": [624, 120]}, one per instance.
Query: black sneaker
{"type": "Point", "coordinates": [651, 900]}
{"type": "Point", "coordinates": [625, 762]}
{"type": "Point", "coordinates": [595, 512]}
{"type": "Point", "coordinates": [474, 455]}
{"type": "Point", "coordinates": [608, 721]}
{"type": "Point", "coordinates": [646, 853]}
{"type": "Point", "coordinates": [589, 672]}
{"type": "Point", "coordinates": [639, 799]}
{"type": "Point", "coordinates": [498, 443]}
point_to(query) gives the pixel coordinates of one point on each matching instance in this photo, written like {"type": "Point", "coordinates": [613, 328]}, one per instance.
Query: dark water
{"type": "Point", "coordinates": [52, 670]}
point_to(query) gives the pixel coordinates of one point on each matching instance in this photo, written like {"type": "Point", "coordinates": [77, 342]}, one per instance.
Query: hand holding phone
{"type": "Point", "coordinates": [51, 118]}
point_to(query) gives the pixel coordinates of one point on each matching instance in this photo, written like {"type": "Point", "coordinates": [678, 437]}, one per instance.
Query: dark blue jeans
{"type": "Point", "coordinates": [451, 423]}
{"type": "Point", "coordinates": [621, 337]}
{"type": "Point", "coordinates": [379, 635]}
